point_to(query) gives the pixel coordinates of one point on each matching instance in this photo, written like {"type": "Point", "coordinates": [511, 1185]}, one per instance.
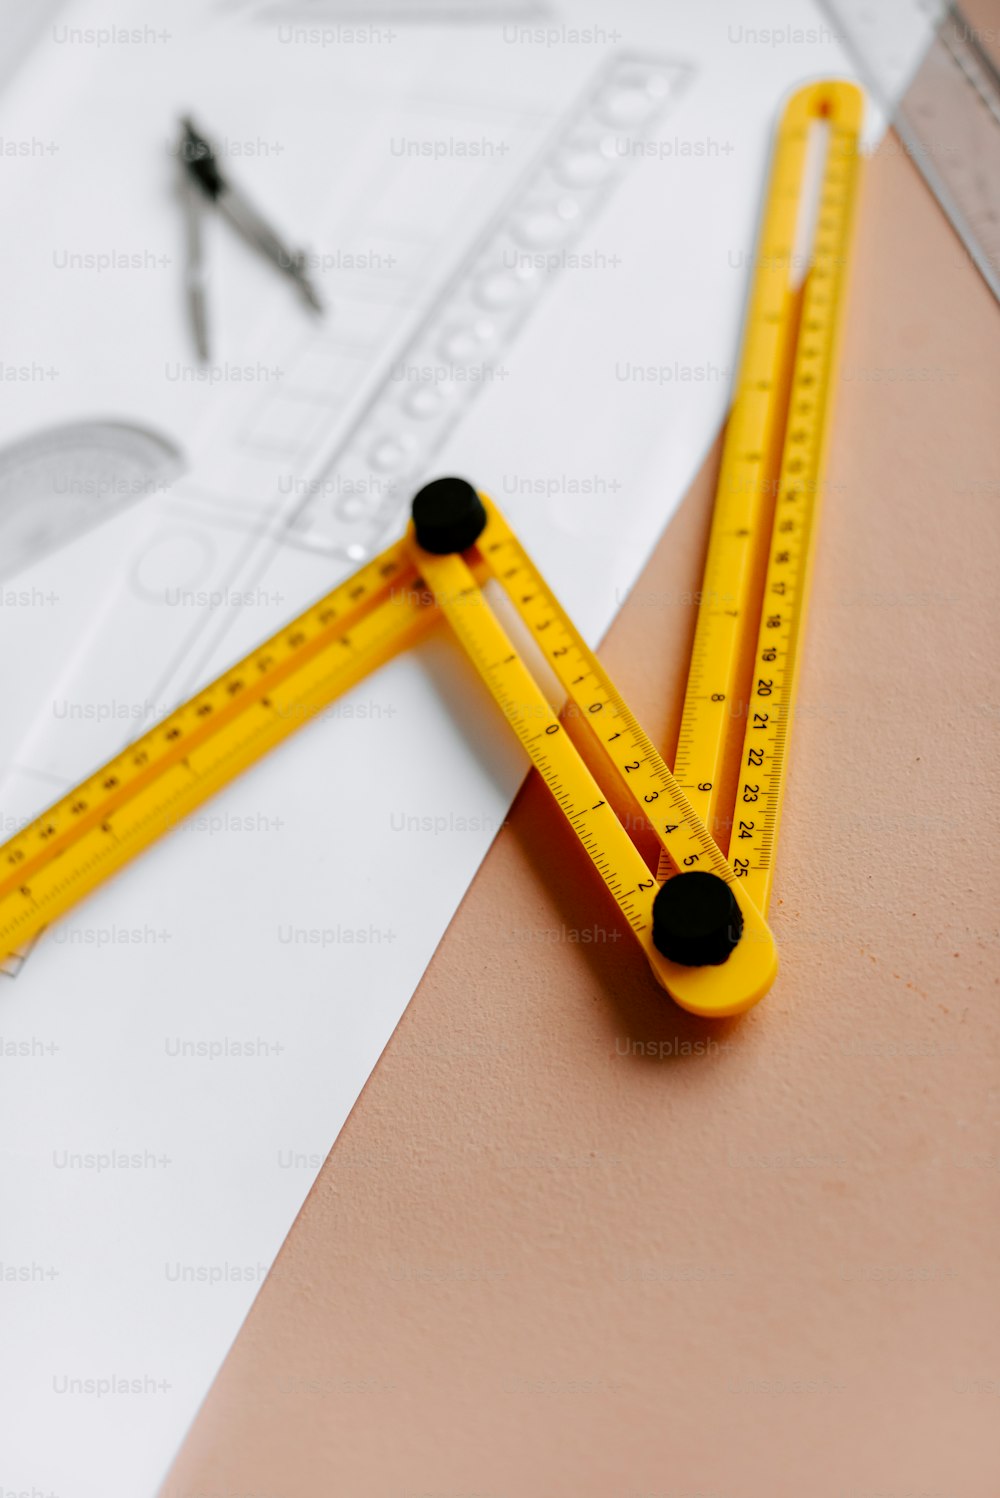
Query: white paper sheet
{"type": "Point", "coordinates": [179, 1055]}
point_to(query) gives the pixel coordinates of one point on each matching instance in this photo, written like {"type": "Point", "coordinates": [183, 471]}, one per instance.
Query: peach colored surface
{"type": "Point", "coordinates": [572, 1241]}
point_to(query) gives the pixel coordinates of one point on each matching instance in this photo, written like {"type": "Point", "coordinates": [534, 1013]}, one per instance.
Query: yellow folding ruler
{"type": "Point", "coordinates": [699, 919]}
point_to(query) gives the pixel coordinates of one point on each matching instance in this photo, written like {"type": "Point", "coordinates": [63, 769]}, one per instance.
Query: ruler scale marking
{"type": "Point", "coordinates": [304, 656]}
{"type": "Point", "coordinates": [788, 571]}
{"type": "Point", "coordinates": [775, 445]}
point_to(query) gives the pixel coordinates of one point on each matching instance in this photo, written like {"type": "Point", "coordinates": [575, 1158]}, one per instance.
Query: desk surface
{"type": "Point", "coordinates": [571, 1240]}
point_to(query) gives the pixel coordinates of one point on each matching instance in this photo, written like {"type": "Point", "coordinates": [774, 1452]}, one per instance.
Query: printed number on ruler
{"type": "Point", "coordinates": [771, 479]}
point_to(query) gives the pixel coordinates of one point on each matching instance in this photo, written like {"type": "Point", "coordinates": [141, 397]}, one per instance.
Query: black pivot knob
{"type": "Point", "coordinates": [697, 920]}
{"type": "Point", "coordinates": [448, 516]}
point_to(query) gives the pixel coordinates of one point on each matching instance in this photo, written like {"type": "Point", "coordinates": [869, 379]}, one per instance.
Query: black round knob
{"type": "Point", "coordinates": [448, 516]}
{"type": "Point", "coordinates": [697, 920]}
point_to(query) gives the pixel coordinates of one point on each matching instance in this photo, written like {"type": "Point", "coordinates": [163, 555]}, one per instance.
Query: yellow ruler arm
{"type": "Point", "coordinates": [772, 701]}
{"type": "Point", "coordinates": [162, 777]}
{"type": "Point", "coordinates": [707, 944]}
{"type": "Point", "coordinates": [758, 562]}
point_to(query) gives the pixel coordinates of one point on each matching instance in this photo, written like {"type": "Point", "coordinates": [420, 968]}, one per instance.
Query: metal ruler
{"type": "Point", "coordinates": [929, 66]}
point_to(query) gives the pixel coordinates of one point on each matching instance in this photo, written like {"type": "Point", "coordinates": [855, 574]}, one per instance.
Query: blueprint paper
{"type": "Point", "coordinates": [180, 1053]}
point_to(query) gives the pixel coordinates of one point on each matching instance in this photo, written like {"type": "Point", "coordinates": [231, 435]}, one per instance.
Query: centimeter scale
{"type": "Point", "coordinates": [699, 918]}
